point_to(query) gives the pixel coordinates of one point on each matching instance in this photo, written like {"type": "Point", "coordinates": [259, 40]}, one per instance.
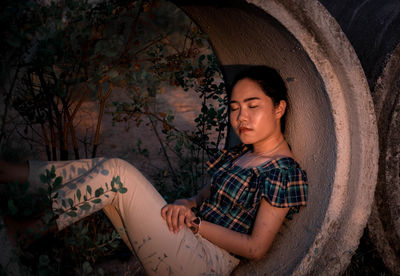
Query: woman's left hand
{"type": "Point", "coordinates": [176, 215]}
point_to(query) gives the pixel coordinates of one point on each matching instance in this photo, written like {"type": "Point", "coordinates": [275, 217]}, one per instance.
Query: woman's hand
{"type": "Point", "coordinates": [178, 213]}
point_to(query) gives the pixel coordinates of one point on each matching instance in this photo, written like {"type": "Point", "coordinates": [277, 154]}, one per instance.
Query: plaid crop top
{"type": "Point", "coordinates": [236, 192]}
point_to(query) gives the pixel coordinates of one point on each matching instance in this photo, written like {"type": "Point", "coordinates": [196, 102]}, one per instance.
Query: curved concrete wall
{"type": "Point", "coordinates": [384, 222]}
{"type": "Point", "coordinates": [373, 28]}
{"type": "Point", "coordinates": [331, 126]}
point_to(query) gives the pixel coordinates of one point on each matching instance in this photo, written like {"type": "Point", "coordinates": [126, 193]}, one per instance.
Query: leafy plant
{"type": "Point", "coordinates": [75, 51]}
{"type": "Point", "coordinates": [78, 245]}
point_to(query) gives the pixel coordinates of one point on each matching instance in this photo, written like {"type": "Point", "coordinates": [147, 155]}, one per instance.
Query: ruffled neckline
{"type": "Point", "coordinates": [284, 162]}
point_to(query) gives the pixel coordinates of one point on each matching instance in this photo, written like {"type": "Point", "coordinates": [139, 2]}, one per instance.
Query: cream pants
{"type": "Point", "coordinates": [135, 214]}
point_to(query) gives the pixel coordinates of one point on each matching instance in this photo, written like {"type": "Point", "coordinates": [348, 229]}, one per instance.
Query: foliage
{"type": "Point", "coordinates": [73, 51]}
{"type": "Point", "coordinates": [78, 246]}
{"type": "Point", "coordinates": [76, 50]}
{"type": "Point", "coordinates": [199, 74]}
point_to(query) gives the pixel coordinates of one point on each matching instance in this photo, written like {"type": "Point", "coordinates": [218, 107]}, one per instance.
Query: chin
{"type": "Point", "coordinates": [246, 140]}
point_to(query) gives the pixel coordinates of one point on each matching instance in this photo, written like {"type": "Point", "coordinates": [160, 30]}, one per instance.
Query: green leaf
{"type": "Point", "coordinates": [70, 202]}
{"type": "Point", "coordinates": [53, 172]}
{"type": "Point", "coordinates": [99, 47]}
{"type": "Point", "coordinates": [87, 268]}
{"type": "Point", "coordinates": [89, 189]}
{"type": "Point", "coordinates": [96, 201]}
{"type": "Point", "coordinates": [71, 214]}
{"type": "Point", "coordinates": [113, 74]}
{"type": "Point", "coordinates": [85, 207]}
{"type": "Point", "coordinates": [123, 190]}
{"type": "Point", "coordinates": [114, 244]}
{"type": "Point", "coordinates": [78, 194]}
{"type": "Point", "coordinates": [44, 260]}
{"type": "Point", "coordinates": [57, 183]}
{"type": "Point", "coordinates": [43, 178]}
{"type": "Point", "coordinates": [84, 230]}
{"type": "Point", "coordinates": [24, 187]}
{"type": "Point", "coordinates": [99, 192]}
{"type": "Point", "coordinates": [12, 208]}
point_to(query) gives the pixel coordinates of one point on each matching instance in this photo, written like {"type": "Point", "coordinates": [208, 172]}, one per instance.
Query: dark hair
{"type": "Point", "coordinates": [269, 81]}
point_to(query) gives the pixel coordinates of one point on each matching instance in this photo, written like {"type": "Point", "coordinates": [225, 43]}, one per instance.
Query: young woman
{"type": "Point", "coordinates": [237, 215]}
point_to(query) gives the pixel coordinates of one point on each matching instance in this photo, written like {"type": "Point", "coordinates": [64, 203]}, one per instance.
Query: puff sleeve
{"type": "Point", "coordinates": [285, 187]}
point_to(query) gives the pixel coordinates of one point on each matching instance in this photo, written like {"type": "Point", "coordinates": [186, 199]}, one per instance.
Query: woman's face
{"type": "Point", "coordinates": [253, 116]}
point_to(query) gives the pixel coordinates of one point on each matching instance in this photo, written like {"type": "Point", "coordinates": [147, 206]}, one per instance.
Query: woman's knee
{"type": "Point", "coordinates": [118, 164]}
{"type": "Point", "coordinates": [121, 169]}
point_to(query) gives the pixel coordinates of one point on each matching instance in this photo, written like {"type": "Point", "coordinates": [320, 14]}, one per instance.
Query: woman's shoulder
{"type": "Point", "coordinates": [229, 153]}
{"type": "Point", "coordinates": [285, 183]}
{"type": "Point", "coordinates": [286, 165]}
{"type": "Point", "coordinates": [224, 157]}
{"type": "Point", "coordinates": [284, 162]}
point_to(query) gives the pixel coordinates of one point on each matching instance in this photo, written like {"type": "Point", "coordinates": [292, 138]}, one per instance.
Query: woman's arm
{"type": "Point", "coordinates": [268, 221]}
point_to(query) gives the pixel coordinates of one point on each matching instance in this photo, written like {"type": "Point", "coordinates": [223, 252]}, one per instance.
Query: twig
{"type": "Point", "coordinates": [103, 99]}
{"type": "Point", "coordinates": [7, 103]}
{"type": "Point", "coordinates": [163, 148]}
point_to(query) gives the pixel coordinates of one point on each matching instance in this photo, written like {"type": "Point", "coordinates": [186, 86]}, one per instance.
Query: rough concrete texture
{"type": "Point", "coordinates": [384, 222]}
{"type": "Point", "coordinates": [332, 126]}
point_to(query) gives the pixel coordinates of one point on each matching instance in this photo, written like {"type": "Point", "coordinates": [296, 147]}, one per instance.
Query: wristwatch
{"type": "Point", "coordinates": [196, 225]}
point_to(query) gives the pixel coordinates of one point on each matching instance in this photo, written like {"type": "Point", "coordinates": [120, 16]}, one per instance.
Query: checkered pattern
{"type": "Point", "coordinates": [236, 192]}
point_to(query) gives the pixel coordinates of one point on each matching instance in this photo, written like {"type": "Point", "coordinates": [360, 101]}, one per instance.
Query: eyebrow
{"type": "Point", "coordinates": [247, 99]}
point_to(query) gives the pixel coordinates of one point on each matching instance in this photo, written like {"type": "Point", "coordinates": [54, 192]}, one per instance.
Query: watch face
{"type": "Point", "coordinates": [196, 221]}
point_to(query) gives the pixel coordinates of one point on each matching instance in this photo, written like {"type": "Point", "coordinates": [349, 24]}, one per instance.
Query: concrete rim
{"type": "Point", "coordinates": [384, 210]}
{"type": "Point", "coordinates": [300, 38]}
{"type": "Point", "coordinates": [352, 106]}
{"type": "Point", "coordinates": [340, 69]}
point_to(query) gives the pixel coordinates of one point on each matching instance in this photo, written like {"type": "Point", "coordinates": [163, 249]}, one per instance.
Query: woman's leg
{"type": "Point", "coordinates": [160, 251]}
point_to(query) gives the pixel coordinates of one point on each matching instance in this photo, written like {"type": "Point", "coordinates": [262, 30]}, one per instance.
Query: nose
{"type": "Point", "coordinates": [242, 115]}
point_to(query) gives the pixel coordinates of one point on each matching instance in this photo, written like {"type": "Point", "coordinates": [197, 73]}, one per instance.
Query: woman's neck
{"type": "Point", "coordinates": [268, 146]}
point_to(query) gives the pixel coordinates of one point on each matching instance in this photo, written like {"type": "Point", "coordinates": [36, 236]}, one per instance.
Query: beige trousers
{"type": "Point", "coordinates": [135, 214]}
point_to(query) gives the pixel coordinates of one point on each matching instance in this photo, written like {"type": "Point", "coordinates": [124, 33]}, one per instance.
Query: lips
{"type": "Point", "coordinates": [244, 129]}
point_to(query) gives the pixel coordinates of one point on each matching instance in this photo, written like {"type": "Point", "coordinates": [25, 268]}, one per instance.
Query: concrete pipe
{"type": "Point", "coordinates": [331, 125]}
{"type": "Point", "coordinates": [373, 28]}
{"type": "Point", "coordinates": [384, 222]}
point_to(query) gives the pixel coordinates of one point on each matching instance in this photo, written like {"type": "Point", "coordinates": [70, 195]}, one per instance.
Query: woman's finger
{"type": "Point", "coordinates": [169, 219]}
{"type": "Point", "coordinates": [174, 219]}
{"type": "Point", "coordinates": [189, 218]}
{"type": "Point", "coordinates": [164, 211]}
{"type": "Point", "coordinates": [181, 220]}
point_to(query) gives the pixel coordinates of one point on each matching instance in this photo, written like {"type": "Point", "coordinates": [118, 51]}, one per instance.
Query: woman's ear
{"type": "Point", "coordinates": [280, 109]}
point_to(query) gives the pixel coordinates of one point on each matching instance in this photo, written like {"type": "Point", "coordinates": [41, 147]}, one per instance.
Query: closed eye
{"type": "Point", "coordinates": [234, 106]}
{"type": "Point", "coordinates": [253, 106]}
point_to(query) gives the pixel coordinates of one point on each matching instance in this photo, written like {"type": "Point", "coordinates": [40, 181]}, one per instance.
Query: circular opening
{"type": "Point", "coordinates": [331, 125]}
